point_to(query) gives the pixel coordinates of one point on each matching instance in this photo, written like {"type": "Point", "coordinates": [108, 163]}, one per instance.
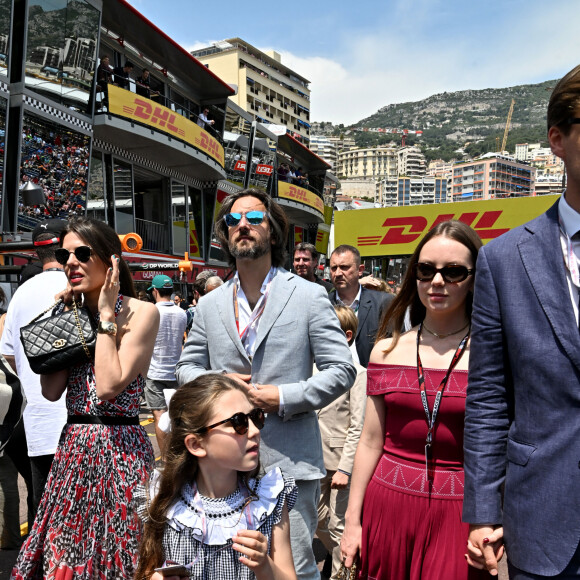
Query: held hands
{"type": "Point", "coordinates": [109, 291]}
{"type": "Point", "coordinates": [350, 543]}
{"type": "Point", "coordinates": [485, 548]}
{"type": "Point", "coordinates": [253, 547]}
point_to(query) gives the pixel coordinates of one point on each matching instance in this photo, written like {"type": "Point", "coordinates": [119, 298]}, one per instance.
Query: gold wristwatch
{"type": "Point", "coordinates": [107, 328]}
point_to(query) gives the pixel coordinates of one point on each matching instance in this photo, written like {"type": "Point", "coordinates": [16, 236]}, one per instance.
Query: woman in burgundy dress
{"type": "Point", "coordinates": [404, 512]}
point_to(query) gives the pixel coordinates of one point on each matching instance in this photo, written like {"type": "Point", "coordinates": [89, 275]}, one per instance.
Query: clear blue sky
{"type": "Point", "coordinates": [362, 55]}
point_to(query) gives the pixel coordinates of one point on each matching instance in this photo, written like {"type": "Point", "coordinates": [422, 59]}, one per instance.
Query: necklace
{"type": "Point", "coordinates": [436, 335]}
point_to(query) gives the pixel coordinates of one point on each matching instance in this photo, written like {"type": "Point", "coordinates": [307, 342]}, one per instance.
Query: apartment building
{"type": "Point", "coordinates": [411, 162]}
{"type": "Point", "coordinates": [325, 148]}
{"type": "Point", "coordinates": [267, 89]}
{"type": "Point", "coordinates": [412, 191]}
{"type": "Point", "coordinates": [492, 176]}
{"type": "Point", "coordinates": [374, 163]}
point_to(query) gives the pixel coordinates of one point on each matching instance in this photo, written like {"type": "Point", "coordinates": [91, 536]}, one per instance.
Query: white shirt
{"type": "Point", "coordinates": [244, 316]}
{"type": "Point", "coordinates": [169, 342]}
{"type": "Point", "coordinates": [43, 420]}
{"type": "Point", "coordinates": [570, 220]}
{"type": "Point", "coordinates": [245, 312]}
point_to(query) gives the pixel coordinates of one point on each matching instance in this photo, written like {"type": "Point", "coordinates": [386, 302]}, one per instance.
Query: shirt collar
{"type": "Point", "coordinates": [354, 302]}
{"type": "Point", "coordinates": [269, 276]}
{"type": "Point", "coordinates": [569, 217]}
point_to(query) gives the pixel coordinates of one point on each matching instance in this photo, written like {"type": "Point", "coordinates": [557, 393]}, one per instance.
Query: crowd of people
{"type": "Point", "coordinates": [59, 164]}
{"type": "Point", "coordinates": [412, 433]}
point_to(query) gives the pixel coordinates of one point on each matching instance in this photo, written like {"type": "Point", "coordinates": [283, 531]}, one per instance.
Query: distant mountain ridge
{"type": "Point", "coordinates": [452, 120]}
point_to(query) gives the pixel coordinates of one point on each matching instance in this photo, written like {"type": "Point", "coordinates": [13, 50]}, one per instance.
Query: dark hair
{"type": "Point", "coordinates": [346, 248]}
{"type": "Point", "coordinates": [165, 292]}
{"type": "Point", "coordinates": [277, 219]}
{"type": "Point", "coordinates": [564, 101]}
{"type": "Point", "coordinates": [128, 64]}
{"type": "Point", "coordinates": [393, 319]}
{"type": "Point", "coordinates": [104, 242]}
{"type": "Point", "coordinates": [190, 409]}
{"type": "Point", "coordinates": [46, 253]}
{"type": "Point", "coordinates": [306, 247]}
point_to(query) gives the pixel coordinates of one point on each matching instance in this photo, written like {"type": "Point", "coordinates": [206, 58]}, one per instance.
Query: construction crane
{"type": "Point", "coordinates": [507, 126]}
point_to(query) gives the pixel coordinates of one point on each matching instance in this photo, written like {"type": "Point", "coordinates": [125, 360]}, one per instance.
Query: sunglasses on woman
{"type": "Point", "coordinates": [82, 253]}
{"type": "Point", "coordinates": [240, 422]}
{"type": "Point", "coordinates": [254, 218]}
{"type": "Point", "coordinates": [452, 274]}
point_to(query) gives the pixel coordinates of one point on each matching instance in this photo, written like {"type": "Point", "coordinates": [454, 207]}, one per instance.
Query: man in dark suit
{"type": "Point", "coordinates": [122, 75]}
{"type": "Point", "coordinates": [522, 430]}
{"type": "Point", "coordinates": [369, 305]}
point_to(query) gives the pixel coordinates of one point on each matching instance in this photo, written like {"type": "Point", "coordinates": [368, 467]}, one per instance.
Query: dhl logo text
{"type": "Point", "coordinates": [405, 230]}
{"type": "Point", "coordinates": [162, 117]}
{"type": "Point", "coordinates": [302, 195]}
{"type": "Point", "coordinates": [210, 145]}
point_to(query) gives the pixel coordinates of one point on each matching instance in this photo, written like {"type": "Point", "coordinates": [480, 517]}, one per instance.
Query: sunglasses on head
{"type": "Point", "coordinates": [82, 253]}
{"type": "Point", "coordinates": [240, 422]}
{"type": "Point", "coordinates": [452, 274]}
{"type": "Point", "coordinates": [254, 218]}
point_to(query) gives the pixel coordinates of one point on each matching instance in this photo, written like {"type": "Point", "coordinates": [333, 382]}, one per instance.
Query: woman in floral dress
{"type": "Point", "coordinates": [86, 525]}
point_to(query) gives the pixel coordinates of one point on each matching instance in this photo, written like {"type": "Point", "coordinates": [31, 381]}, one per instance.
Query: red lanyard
{"type": "Point", "coordinates": [432, 417]}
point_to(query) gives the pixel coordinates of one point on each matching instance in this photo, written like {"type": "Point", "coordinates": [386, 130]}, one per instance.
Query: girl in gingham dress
{"type": "Point", "coordinates": [208, 513]}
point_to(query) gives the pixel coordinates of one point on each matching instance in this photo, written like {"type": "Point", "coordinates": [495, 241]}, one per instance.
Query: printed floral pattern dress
{"type": "Point", "coordinates": [86, 525]}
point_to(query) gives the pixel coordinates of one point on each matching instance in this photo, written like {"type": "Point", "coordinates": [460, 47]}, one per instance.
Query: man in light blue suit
{"type": "Point", "coordinates": [265, 328]}
{"type": "Point", "coordinates": [522, 422]}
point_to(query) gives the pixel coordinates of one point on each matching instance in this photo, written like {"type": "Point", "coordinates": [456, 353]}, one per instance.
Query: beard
{"type": "Point", "coordinates": [252, 250]}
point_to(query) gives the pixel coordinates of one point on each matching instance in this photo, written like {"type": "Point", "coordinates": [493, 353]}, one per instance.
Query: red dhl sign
{"type": "Point", "coordinates": [127, 104]}
{"type": "Point", "coordinates": [398, 230]}
{"type": "Point", "coordinates": [295, 193]}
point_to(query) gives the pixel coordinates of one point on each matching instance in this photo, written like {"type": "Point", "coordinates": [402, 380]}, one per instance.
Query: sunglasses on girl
{"type": "Point", "coordinates": [254, 218]}
{"type": "Point", "coordinates": [452, 274]}
{"type": "Point", "coordinates": [82, 253]}
{"type": "Point", "coordinates": [240, 422]}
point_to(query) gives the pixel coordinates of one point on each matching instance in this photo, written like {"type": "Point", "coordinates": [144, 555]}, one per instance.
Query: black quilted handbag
{"type": "Point", "coordinates": [61, 341]}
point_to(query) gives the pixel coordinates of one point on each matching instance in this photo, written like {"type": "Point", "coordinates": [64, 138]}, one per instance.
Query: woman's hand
{"type": "Point", "coordinates": [66, 295]}
{"type": "Point", "coordinates": [253, 546]}
{"type": "Point", "coordinates": [485, 548]}
{"type": "Point", "coordinates": [350, 543]}
{"type": "Point", "coordinates": [109, 291]}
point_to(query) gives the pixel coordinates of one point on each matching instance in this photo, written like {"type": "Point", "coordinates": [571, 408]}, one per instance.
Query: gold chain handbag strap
{"type": "Point", "coordinates": [79, 328]}
{"type": "Point", "coordinates": [347, 573]}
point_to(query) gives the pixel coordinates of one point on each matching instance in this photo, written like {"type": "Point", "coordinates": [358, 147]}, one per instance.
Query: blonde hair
{"type": "Point", "coordinates": [347, 319]}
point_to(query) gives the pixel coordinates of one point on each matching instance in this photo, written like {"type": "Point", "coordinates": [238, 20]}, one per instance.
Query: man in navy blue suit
{"type": "Point", "coordinates": [522, 423]}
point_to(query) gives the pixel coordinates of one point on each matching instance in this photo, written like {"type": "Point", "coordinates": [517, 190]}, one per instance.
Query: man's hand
{"type": "Point", "coordinates": [485, 548]}
{"type": "Point", "coordinates": [240, 379]}
{"type": "Point", "coordinates": [264, 396]}
{"type": "Point", "coordinates": [339, 480]}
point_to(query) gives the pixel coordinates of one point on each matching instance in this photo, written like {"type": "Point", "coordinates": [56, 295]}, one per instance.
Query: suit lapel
{"type": "Point", "coordinates": [541, 254]}
{"type": "Point", "coordinates": [280, 292]}
{"type": "Point", "coordinates": [364, 308]}
{"type": "Point", "coordinates": [226, 311]}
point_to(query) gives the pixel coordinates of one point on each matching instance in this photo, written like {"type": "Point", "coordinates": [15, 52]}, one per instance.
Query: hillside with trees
{"type": "Point", "coordinates": [469, 120]}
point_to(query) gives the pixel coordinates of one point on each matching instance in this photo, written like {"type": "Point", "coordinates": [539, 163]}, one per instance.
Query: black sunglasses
{"type": "Point", "coordinates": [254, 218]}
{"type": "Point", "coordinates": [240, 422]}
{"type": "Point", "coordinates": [573, 121]}
{"type": "Point", "coordinates": [452, 274]}
{"type": "Point", "coordinates": [83, 254]}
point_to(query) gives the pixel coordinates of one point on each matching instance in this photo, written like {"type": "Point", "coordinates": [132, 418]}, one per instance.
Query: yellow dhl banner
{"type": "Point", "coordinates": [322, 236]}
{"type": "Point", "coordinates": [298, 235]}
{"type": "Point", "coordinates": [393, 231]}
{"type": "Point", "coordinates": [295, 193]}
{"type": "Point", "coordinates": [131, 106]}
